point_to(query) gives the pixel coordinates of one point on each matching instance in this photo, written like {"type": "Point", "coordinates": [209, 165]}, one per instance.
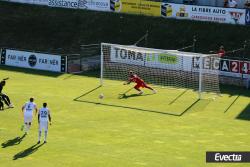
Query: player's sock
{"type": "Point", "coordinates": [11, 105]}
{"type": "Point", "coordinates": [25, 128]}
{"type": "Point", "coordinates": [39, 136]}
{"type": "Point", "coordinates": [22, 127]}
{"type": "Point", "coordinates": [45, 136]}
{"type": "Point", "coordinates": [28, 127]}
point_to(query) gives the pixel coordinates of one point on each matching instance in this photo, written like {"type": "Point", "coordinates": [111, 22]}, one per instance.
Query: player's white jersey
{"type": "Point", "coordinates": [44, 114]}
{"type": "Point", "coordinates": [29, 108]}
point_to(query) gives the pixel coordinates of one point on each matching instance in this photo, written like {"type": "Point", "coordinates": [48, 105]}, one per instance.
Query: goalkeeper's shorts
{"type": "Point", "coordinates": [140, 85]}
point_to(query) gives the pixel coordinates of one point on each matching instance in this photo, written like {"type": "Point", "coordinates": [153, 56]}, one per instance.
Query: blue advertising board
{"type": "Point", "coordinates": [247, 17]}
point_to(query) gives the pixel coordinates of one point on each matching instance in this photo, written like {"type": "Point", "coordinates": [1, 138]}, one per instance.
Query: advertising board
{"type": "Point", "coordinates": [33, 60]}
{"type": "Point", "coordinates": [203, 13]}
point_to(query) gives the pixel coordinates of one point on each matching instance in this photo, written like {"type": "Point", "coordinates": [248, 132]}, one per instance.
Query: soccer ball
{"type": "Point", "coordinates": [101, 96]}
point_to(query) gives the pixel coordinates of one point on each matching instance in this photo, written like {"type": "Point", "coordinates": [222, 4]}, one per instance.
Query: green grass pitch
{"type": "Point", "coordinates": [154, 130]}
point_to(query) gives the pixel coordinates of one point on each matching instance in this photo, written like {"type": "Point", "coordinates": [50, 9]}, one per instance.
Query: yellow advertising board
{"type": "Point", "coordinates": [143, 7]}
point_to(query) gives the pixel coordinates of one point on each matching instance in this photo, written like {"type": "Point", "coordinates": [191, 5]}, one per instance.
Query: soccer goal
{"type": "Point", "coordinates": [162, 68]}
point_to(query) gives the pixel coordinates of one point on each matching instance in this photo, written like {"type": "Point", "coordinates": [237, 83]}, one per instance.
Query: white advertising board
{"type": "Point", "coordinates": [174, 60]}
{"type": "Point", "coordinates": [225, 67]}
{"type": "Point", "coordinates": [33, 60]}
{"type": "Point", "coordinates": [152, 58]}
{"type": "Point", "coordinates": [36, 2]}
{"type": "Point", "coordinates": [203, 13]}
{"type": "Point", "coordinates": [41, 2]}
{"type": "Point", "coordinates": [98, 5]}
{"type": "Point", "coordinates": [21, 1]}
{"type": "Point", "coordinates": [64, 3]}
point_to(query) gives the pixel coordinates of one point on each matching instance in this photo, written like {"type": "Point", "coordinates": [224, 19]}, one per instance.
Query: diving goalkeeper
{"type": "Point", "coordinates": [139, 83]}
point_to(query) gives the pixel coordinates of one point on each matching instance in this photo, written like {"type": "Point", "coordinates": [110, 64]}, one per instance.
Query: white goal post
{"type": "Point", "coordinates": [161, 68]}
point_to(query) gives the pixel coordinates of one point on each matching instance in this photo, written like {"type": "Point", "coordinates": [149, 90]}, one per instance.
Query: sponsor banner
{"type": "Point", "coordinates": [203, 13]}
{"type": "Point", "coordinates": [98, 5]}
{"type": "Point", "coordinates": [66, 3]}
{"type": "Point", "coordinates": [226, 67]}
{"type": "Point", "coordinates": [247, 18]}
{"type": "Point", "coordinates": [33, 60]}
{"type": "Point", "coordinates": [210, 65]}
{"type": "Point", "coordinates": [143, 7]}
{"type": "Point", "coordinates": [174, 60]}
{"type": "Point", "coordinates": [41, 2]}
{"type": "Point", "coordinates": [22, 1]}
{"type": "Point", "coordinates": [152, 58]}
{"type": "Point", "coordinates": [36, 2]}
{"type": "Point", "coordinates": [152, 8]}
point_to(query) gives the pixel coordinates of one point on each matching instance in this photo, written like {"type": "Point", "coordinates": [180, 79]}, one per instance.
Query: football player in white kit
{"type": "Point", "coordinates": [43, 119]}
{"type": "Point", "coordinates": [28, 109]}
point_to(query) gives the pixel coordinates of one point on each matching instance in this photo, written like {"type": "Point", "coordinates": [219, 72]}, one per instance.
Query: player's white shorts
{"type": "Point", "coordinates": [28, 118]}
{"type": "Point", "coordinates": [43, 125]}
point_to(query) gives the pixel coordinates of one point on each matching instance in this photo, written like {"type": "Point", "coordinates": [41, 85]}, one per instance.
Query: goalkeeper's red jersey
{"type": "Point", "coordinates": [136, 79]}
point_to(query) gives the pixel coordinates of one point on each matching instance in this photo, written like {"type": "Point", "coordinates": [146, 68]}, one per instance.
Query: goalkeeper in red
{"type": "Point", "coordinates": [139, 82]}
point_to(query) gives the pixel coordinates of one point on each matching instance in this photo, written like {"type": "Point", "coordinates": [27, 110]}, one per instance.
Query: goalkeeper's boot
{"type": "Point", "coordinates": [141, 92]}
{"type": "Point", "coordinates": [154, 91]}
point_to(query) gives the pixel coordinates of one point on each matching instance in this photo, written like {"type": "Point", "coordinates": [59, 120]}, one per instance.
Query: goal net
{"type": "Point", "coordinates": [162, 68]}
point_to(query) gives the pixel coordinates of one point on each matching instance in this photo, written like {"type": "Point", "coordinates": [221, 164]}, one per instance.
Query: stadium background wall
{"type": "Point", "coordinates": [152, 8]}
{"type": "Point", "coordinates": [69, 29]}
{"type": "Point", "coordinates": [32, 23]}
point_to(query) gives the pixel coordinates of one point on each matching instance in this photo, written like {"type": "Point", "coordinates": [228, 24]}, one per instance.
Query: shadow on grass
{"type": "Point", "coordinates": [92, 90]}
{"type": "Point", "coordinates": [124, 96]}
{"type": "Point", "coordinates": [182, 93]}
{"type": "Point", "coordinates": [27, 151]}
{"type": "Point", "coordinates": [231, 104]}
{"type": "Point", "coordinates": [127, 107]}
{"type": "Point", "coordinates": [234, 90]}
{"type": "Point", "coordinates": [14, 141]}
{"type": "Point", "coordinates": [200, 105]}
{"type": "Point", "coordinates": [31, 71]}
{"type": "Point", "coordinates": [91, 73]}
{"type": "Point", "coordinates": [134, 108]}
{"type": "Point", "coordinates": [245, 114]}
